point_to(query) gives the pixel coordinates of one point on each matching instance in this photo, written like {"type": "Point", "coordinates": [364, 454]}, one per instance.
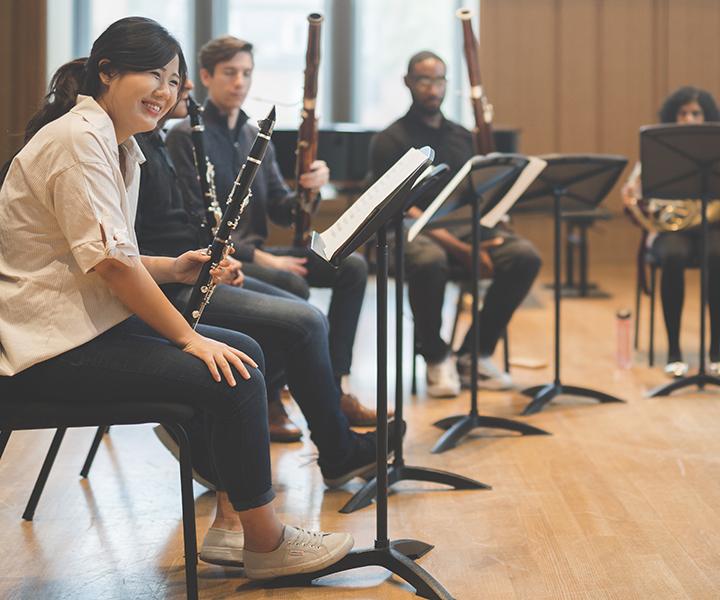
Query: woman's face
{"type": "Point", "coordinates": [690, 113]}
{"type": "Point", "coordinates": [136, 101]}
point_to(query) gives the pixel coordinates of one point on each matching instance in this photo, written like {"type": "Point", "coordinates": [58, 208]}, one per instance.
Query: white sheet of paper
{"type": "Point", "coordinates": [353, 218]}
{"type": "Point", "coordinates": [528, 175]}
{"type": "Point", "coordinates": [449, 188]}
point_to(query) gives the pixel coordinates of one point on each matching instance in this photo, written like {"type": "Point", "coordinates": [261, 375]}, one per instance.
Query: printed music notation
{"type": "Point", "coordinates": [352, 220]}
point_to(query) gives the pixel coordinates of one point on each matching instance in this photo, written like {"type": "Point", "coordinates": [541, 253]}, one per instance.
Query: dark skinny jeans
{"type": "Point", "coordinates": [348, 283]}
{"type": "Point", "coordinates": [131, 362]}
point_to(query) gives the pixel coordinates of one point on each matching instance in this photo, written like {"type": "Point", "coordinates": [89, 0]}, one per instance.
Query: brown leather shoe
{"type": "Point", "coordinates": [282, 429]}
{"type": "Point", "coordinates": [357, 414]}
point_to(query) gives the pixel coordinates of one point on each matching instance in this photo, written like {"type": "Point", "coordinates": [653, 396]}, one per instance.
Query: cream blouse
{"type": "Point", "coordinates": [66, 205]}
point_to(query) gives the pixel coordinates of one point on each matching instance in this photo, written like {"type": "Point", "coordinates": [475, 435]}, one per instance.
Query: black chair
{"type": "Point", "coordinates": [26, 414]}
{"type": "Point", "coordinates": [652, 264]}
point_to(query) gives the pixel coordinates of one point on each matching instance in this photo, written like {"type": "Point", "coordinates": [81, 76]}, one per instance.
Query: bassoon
{"type": "Point", "coordinates": [204, 168]}
{"type": "Point", "coordinates": [308, 133]}
{"type": "Point", "coordinates": [236, 203]}
{"type": "Point", "coordinates": [482, 109]}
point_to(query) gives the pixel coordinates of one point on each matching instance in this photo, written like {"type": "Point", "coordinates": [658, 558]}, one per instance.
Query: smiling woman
{"type": "Point", "coordinates": [81, 315]}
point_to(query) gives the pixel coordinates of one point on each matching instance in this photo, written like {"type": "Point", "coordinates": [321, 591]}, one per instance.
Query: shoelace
{"type": "Point", "coordinates": [305, 538]}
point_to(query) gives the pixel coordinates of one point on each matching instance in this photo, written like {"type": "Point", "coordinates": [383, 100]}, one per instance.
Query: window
{"type": "Point", "coordinates": [388, 34]}
{"type": "Point", "coordinates": [278, 30]}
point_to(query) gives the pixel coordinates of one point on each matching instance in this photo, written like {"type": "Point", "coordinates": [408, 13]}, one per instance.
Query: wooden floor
{"type": "Point", "coordinates": [622, 501]}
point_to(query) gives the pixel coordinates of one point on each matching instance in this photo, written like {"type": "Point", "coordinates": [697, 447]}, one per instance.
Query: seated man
{"type": "Point", "coordinates": [226, 66]}
{"type": "Point", "coordinates": [291, 332]}
{"type": "Point", "coordinates": [512, 261]}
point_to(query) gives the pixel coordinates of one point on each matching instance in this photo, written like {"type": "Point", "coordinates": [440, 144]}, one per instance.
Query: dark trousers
{"type": "Point", "coordinates": [428, 266]}
{"type": "Point", "coordinates": [132, 362]}
{"type": "Point", "coordinates": [293, 335]}
{"type": "Point", "coordinates": [675, 252]}
{"type": "Point", "coordinates": [348, 290]}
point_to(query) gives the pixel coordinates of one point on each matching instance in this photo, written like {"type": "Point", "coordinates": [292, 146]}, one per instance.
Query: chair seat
{"type": "Point", "coordinates": [30, 414]}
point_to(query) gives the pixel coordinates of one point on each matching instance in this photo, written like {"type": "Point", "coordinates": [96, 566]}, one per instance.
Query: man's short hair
{"type": "Point", "coordinates": [421, 56]}
{"type": "Point", "coordinates": [221, 49]}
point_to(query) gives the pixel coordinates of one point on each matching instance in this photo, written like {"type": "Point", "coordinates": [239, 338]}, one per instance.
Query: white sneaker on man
{"type": "Point", "coordinates": [489, 376]}
{"type": "Point", "coordinates": [301, 551]}
{"type": "Point", "coordinates": [442, 379]}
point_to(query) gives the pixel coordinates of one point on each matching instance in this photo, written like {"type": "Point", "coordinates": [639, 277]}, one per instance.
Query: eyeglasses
{"type": "Point", "coordinates": [427, 82]}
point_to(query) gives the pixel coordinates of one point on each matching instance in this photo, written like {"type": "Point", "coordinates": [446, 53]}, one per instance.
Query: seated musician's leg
{"type": "Point", "coordinates": [674, 252]}
{"type": "Point", "coordinates": [427, 274]}
{"type": "Point", "coordinates": [294, 338]}
{"type": "Point", "coordinates": [516, 263]}
{"type": "Point", "coordinates": [130, 363]}
{"type": "Point", "coordinates": [714, 297]}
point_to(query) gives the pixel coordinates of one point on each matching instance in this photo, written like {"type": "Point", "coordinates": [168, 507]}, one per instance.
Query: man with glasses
{"type": "Point", "coordinates": [511, 261]}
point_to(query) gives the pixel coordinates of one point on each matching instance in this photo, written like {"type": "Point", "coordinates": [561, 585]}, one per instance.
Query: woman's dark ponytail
{"type": "Point", "coordinates": [65, 85]}
{"type": "Point", "coordinates": [132, 44]}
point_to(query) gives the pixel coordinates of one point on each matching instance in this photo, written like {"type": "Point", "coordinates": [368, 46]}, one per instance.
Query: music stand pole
{"type": "Point", "coordinates": [457, 427]}
{"type": "Point", "coordinates": [543, 394]}
{"type": "Point", "coordinates": [398, 470]}
{"type": "Point", "coordinates": [385, 553]}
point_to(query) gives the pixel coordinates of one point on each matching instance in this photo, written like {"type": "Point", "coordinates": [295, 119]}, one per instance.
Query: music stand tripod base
{"type": "Point", "coordinates": [398, 470]}
{"type": "Point", "coordinates": [391, 558]}
{"type": "Point", "coordinates": [543, 394]}
{"type": "Point", "coordinates": [700, 380]}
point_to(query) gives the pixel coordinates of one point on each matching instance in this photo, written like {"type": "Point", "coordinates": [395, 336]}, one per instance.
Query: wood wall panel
{"type": "Point", "coordinates": [585, 75]}
{"type": "Point", "coordinates": [22, 63]}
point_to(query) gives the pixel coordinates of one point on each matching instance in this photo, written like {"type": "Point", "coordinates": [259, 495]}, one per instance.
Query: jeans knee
{"type": "Point", "coordinates": [310, 320]}
{"type": "Point", "coordinates": [354, 271]}
{"type": "Point", "coordinates": [294, 284]}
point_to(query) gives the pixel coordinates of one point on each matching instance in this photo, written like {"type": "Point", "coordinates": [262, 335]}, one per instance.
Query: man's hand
{"type": "Point", "coordinates": [316, 177]}
{"type": "Point", "coordinates": [486, 265]}
{"type": "Point", "coordinates": [292, 264]}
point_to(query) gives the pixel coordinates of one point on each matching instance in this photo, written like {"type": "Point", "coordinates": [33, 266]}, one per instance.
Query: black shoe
{"type": "Point", "coordinates": [362, 460]}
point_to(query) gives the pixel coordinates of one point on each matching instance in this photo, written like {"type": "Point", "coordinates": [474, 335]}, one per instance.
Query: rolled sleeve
{"type": "Point", "coordinates": [89, 213]}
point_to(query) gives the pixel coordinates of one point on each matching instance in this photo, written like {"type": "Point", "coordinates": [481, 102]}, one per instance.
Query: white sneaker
{"type": "Point", "coordinates": [223, 547]}
{"type": "Point", "coordinates": [301, 551]}
{"type": "Point", "coordinates": [442, 379]}
{"type": "Point", "coordinates": [714, 368]}
{"type": "Point", "coordinates": [676, 369]}
{"type": "Point", "coordinates": [489, 376]}
{"type": "Point", "coordinates": [171, 445]}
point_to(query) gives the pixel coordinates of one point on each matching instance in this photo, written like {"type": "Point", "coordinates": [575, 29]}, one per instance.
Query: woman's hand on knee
{"type": "Point", "coordinates": [219, 358]}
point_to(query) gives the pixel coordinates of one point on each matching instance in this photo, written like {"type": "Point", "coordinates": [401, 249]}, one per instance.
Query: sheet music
{"type": "Point", "coordinates": [534, 167]}
{"type": "Point", "coordinates": [449, 188]}
{"type": "Point", "coordinates": [353, 218]}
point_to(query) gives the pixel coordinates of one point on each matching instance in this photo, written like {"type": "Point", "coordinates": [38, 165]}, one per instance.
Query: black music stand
{"type": "Point", "coordinates": [577, 182]}
{"type": "Point", "coordinates": [485, 185]}
{"type": "Point", "coordinates": [391, 555]}
{"type": "Point", "coordinates": [683, 161]}
{"type": "Point", "coordinates": [398, 470]}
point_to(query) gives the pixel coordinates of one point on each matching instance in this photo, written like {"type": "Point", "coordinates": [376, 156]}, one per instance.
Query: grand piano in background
{"type": "Point", "coordinates": [345, 148]}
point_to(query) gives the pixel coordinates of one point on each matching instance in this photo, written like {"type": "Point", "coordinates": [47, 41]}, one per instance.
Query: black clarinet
{"type": "Point", "coordinates": [205, 170]}
{"type": "Point", "coordinates": [236, 203]}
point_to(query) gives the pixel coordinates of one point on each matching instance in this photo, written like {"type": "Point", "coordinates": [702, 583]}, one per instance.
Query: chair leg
{"type": "Point", "coordinates": [413, 380]}
{"type": "Point", "coordinates": [458, 310]}
{"type": "Point", "coordinates": [638, 293]}
{"type": "Point", "coordinates": [651, 345]}
{"type": "Point", "coordinates": [4, 437]}
{"type": "Point", "coordinates": [188, 509]}
{"type": "Point", "coordinates": [101, 431]}
{"type": "Point", "coordinates": [506, 351]}
{"type": "Point", "coordinates": [44, 474]}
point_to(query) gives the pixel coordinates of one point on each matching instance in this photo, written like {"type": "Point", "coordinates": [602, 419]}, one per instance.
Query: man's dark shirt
{"type": "Point", "coordinates": [227, 150]}
{"type": "Point", "coordinates": [163, 225]}
{"type": "Point", "coordinates": [452, 143]}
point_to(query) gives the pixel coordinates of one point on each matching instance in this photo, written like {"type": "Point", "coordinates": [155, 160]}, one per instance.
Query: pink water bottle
{"type": "Point", "coordinates": [623, 353]}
